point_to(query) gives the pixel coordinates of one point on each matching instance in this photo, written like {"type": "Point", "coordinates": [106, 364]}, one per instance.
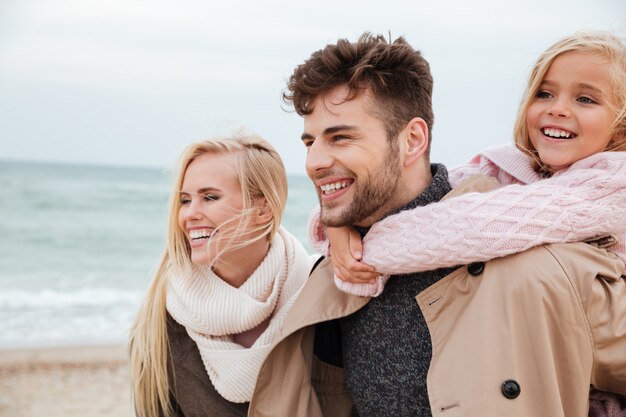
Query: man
{"type": "Point", "coordinates": [528, 344]}
{"type": "Point", "coordinates": [368, 157]}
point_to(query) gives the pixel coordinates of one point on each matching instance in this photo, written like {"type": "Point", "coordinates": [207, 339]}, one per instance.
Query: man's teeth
{"type": "Point", "coordinates": [557, 133]}
{"type": "Point", "coordinates": [199, 234]}
{"type": "Point", "coordinates": [331, 188]}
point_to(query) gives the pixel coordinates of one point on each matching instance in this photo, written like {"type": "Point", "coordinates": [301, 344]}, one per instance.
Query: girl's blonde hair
{"type": "Point", "coordinates": [261, 175]}
{"type": "Point", "coordinates": [602, 44]}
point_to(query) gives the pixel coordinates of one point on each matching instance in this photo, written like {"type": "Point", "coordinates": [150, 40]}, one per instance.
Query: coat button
{"type": "Point", "coordinates": [511, 389]}
{"type": "Point", "coordinates": [476, 268]}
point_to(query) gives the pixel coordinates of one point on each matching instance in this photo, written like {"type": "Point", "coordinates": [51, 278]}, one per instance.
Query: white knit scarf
{"type": "Point", "coordinates": [212, 310]}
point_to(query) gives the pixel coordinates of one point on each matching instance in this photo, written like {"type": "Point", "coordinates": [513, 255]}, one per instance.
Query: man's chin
{"type": "Point", "coordinates": [336, 218]}
{"type": "Point", "coordinates": [329, 218]}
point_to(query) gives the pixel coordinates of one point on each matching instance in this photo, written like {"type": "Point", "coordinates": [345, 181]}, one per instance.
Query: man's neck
{"type": "Point", "coordinates": [408, 190]}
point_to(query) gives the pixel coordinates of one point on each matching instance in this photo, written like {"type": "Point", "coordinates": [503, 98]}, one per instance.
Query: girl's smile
{"type": "Point", "coordinates": [571, 115]}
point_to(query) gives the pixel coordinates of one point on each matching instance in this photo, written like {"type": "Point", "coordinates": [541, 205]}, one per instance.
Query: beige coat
{"type": "Point", "coordinates": [551, 321]}
{"type": "Point", "coordinates": [520, 336]}
{"type": "Point", "coordinates": [539, 326]}
{"type": "Point", "coordinates": [292, 381]}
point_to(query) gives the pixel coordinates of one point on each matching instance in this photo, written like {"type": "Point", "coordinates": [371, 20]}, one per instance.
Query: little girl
{"type": "Point", "coordinates": [565, 182]}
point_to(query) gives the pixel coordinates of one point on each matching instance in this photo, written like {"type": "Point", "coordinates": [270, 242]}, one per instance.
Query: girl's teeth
{"type": "Point", "coordinates": [556, 133]}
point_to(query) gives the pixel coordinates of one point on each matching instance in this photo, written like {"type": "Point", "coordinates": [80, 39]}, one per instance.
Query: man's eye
{"type": "Point", "coordinates": [338, 138]}
{"type": "Point", "coordinates": [586, 100]}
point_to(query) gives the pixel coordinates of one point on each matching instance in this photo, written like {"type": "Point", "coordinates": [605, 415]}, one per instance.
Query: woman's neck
{"type": "Point", "coordinates": [237, 266]}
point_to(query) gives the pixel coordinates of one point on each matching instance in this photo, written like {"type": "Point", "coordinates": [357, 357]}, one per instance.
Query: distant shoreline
{"type": "Point", "coordinates": [106, 165]}
{"type": "Point", "coordinates": [79, 164]}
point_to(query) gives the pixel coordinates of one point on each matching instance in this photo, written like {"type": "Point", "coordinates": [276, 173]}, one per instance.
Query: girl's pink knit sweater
{"type": "Point", "coordinates": [584, 201]}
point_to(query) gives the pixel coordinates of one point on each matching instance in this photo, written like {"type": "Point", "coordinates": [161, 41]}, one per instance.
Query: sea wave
{"type": "Point", "coordinates": [80, 243]}
{"type": "Point", "coordinates": [55, 298]}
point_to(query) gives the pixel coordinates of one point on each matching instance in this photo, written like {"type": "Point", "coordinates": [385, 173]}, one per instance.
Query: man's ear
{"type": "Point", "coordinates": [262, 212]}
{"type": "Point", "coordinates": [415, 140]}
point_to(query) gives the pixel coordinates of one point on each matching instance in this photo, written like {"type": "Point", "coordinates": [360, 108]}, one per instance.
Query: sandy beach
{"type": "Point", "coordinates": [88, 381]}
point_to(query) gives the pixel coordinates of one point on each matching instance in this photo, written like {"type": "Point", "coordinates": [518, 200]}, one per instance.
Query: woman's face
{"type": "Point", "coordinates": [571, 115]}
{"type": "Point", "coordinates": [211, 202]}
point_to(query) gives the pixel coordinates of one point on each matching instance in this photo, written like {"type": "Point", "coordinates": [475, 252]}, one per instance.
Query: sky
{"type": "Point", "coordinates": [131, 82]}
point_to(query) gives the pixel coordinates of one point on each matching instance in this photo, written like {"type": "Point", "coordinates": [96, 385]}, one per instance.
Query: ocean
{"type": "Point", "coordinates": [79, 244]}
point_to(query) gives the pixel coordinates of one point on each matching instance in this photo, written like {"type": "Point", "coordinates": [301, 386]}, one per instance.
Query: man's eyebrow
{"type": "Point", "coordinates": [329, 131]}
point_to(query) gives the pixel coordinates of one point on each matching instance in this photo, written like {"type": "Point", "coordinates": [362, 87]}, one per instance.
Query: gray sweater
{"type": "Point", "coordinates": [386, 344]}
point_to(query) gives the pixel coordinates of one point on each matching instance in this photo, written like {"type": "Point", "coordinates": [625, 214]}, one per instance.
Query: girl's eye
{"type": "Point", "coordinates": [210, 197]}
{"type": "Point", "coordinates": [543, 94]}
{"type": "Point", "coordinates": [586, 100]}
{"type": "Point", "coordinates": [185, 200]}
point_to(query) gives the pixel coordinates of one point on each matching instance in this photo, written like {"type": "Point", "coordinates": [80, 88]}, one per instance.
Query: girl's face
{"type": "Point", "coordinates": [570, 117]}
{"type": "Point", "coordinates": [211, 201]}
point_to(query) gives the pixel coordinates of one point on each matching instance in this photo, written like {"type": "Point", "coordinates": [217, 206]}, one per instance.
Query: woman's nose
{"type": "Point", "coordinates": [191, 211]}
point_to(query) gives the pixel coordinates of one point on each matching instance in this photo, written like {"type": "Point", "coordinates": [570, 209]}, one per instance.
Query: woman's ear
{"type": "Point", "coordinates": [415, 140]}
{"type": "Point", "coordinates": [262, 212]}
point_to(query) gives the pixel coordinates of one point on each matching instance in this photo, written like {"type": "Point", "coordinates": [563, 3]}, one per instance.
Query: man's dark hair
{"type": "Point", "coordinates": [396, 75]}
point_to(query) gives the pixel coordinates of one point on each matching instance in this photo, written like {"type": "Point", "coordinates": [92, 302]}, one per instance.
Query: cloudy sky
{"type": "Point", "coordinates": [131, 82]}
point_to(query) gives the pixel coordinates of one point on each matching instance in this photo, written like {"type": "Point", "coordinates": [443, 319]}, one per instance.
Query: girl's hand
{"type": "Point", "coordinates": [346, 251]}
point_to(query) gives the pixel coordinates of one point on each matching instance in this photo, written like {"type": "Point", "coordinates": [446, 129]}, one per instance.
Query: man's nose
{"type": "Point", "coordinates": [319, 157]}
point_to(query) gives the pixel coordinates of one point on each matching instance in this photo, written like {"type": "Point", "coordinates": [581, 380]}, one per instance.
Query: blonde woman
{"type": "Point", "coordinates": [227, 279]}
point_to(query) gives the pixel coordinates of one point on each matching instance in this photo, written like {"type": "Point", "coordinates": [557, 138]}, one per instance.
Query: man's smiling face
{"type": "Point", "coordinates": [355, 171]}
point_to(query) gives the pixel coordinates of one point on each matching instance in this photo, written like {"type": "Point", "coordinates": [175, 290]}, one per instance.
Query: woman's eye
{"type": "Point", "coordinates": [586, 100]}
{"type": "Point", "coordinates": [210, 197]}
{"type": "Point", "coordinates": [185, 200]}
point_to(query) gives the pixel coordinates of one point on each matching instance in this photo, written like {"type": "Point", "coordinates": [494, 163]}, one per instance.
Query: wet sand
{"type": "Point", "coordinates": [90, 381]}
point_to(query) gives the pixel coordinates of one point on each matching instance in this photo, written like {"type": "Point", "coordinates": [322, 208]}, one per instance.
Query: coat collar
{"type": "Point", "coordinates": [320, 300]}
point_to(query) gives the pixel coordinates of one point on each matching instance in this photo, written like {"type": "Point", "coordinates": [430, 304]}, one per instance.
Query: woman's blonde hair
{"type": "Point", "coordinates": [602, 44]}
{"type": "Point", "coordinates": [261, 175]}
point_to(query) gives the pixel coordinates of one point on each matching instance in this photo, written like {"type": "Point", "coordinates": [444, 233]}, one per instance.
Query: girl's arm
{"type": "Point", "coordinates": [506, 164]}
{"type": "Point", "coordinates": [351, 275]}
{"type": "Point", "coordinates": [584, 201]}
